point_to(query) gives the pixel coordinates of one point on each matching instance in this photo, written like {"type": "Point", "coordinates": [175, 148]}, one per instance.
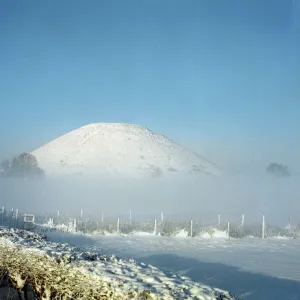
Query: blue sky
{"type": "Point", "coordinates": [222, 77]}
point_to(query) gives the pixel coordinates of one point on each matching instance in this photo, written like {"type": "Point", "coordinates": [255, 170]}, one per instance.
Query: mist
{"type": "Point", "coordinates": [198, 197]}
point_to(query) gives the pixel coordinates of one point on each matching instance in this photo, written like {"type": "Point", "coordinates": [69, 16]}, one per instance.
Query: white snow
{"type": "Point", "coordinates": [119, 149]}
{"type": "Point", "coordinates": [121, 274]}
{"type": "Point", "coordinates": [251, 267]}
{"type": "Point", "coordinates": [214, 233]}
{"type": "Point", "coordinates": [182, 234]}
{"type": "Point", "coordinates": [142, 233]}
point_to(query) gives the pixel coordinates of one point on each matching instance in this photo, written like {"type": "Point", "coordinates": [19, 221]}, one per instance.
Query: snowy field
{"type": "Point", "coordinates": [251, 267]}
{"type": "Point", "coordinates": [117, 278]}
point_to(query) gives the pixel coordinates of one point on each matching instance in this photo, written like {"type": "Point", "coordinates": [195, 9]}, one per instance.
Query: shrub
{"type": "Point", "coordinates": [50, 278]}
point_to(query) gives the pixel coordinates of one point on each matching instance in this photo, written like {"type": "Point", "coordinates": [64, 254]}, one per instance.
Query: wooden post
{"type": "Point", "coordinates": [17, 216]}
{"type": "Point", "coordinates": [118, 226]}
{"type": "Point", "coordinates": [228, 230]}
{"type": "Point", "coordinates": [75, 225]}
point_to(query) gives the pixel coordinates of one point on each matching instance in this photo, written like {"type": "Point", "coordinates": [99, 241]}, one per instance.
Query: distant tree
{"type": "Point", "coordinates": [278, 170]}
{"type": "Point", "coordinates": [23, 166]}
{"type": "Point", "coordinates": [26, 159]}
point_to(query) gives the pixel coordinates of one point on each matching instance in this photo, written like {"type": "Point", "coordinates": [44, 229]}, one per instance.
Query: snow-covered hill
{"type": "Point", "coordinates": [119, 149]}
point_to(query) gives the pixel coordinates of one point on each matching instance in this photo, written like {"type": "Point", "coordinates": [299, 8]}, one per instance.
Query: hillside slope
{"type": "Point", "coordinates": [119, 149]}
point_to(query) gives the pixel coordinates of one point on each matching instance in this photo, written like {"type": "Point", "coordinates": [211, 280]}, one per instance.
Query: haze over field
{"type": "Point", "coordinates": [201, 198]}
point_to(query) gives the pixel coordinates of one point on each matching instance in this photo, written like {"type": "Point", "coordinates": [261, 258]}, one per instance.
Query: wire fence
{"type": "Point", "coordinates": [163, 227]}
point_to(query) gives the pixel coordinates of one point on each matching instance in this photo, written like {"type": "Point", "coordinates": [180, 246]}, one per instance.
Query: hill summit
{"type": "Point", "coordinates": [119, 149]}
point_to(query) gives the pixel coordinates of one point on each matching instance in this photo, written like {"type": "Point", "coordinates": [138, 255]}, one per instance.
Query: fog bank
{"type": "Point", "coordinates": [200, 197]}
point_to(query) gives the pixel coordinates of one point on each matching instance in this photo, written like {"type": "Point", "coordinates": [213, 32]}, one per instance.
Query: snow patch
{"type": "Point", "coordinates": [182, 234]}
{"type": "Point", "coordinates": [214, 233]}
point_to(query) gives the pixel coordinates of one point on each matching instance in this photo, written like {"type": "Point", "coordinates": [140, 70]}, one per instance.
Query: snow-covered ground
{"type": "Point", "coordinates": [121, 275]}
{"type": "Point", "coordinates": [252, 267]}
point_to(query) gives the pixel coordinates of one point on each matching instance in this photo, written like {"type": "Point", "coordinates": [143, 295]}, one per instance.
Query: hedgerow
{"type": "Point", "coordinates": [52, 279]}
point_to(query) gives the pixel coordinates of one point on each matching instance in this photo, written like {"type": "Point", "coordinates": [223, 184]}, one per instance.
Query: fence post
{"type": "Point", "coordinates": [228, 230]}
{"type": "Point", "coordinates": [11, 217]}
{"type": "Point", "coordinates": [162, 216]}
{"type": "Point", "coordinates": [17, 216]}
{"type": "Point", "coordinates": [243, 220]}
{"type": "Point", "coordinates": [102, 217]}
{"type": "Point", "coordinates": [118, 226]}
{"type": "Point", "coordinates": [75, 225]}
{"type": "Point", "coordinates": [263, 228]}
{"type": "Point", "coordinates": [219, 219]}
{"type": "Point", "coordinates": [155, 227]}
{"type": "Point", "coordinates": [130, 216]}
{"type": "Point", "coordinates": [191, 228]}
{"type": "Point", "coordinates": [81, 213]}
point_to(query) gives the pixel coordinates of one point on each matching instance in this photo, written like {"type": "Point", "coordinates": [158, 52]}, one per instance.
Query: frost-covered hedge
{"type": "Point", "coordinates": [53, 279]}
